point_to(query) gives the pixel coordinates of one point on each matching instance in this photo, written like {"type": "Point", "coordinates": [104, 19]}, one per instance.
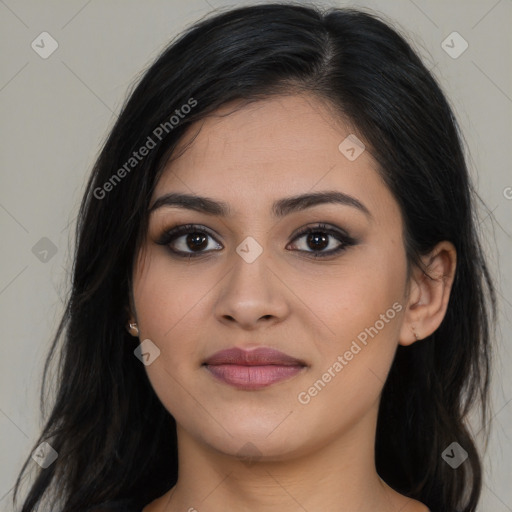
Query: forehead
{"type": "Point", "coordinates": [252, 154]}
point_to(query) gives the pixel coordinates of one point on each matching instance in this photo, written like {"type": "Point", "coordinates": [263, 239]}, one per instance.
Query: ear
{"type": "Point", "coordinates": [429, 293]}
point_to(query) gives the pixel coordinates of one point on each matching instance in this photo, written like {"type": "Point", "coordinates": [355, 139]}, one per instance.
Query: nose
{"type": "Point", "coordinates": [252, 295]}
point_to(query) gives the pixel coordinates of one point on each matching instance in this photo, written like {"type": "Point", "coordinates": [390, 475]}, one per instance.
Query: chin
{"type": "Point", "coordinates": [259, 449]}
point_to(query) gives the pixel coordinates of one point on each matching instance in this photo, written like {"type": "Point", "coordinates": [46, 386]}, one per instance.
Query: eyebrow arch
{"type": "Point", "coordinates": [280, 208]}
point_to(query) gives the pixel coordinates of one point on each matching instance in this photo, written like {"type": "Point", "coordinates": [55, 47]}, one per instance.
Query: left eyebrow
{"type": "Point", "coordinates": [280, 208]}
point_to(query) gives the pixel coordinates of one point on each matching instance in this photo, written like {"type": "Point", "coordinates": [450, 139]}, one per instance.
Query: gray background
{"type": "Point", "coordinates": [55, 112]}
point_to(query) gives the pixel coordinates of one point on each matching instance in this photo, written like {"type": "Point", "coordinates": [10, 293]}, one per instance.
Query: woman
{"type": "Point", "coordinates": [279, 298]}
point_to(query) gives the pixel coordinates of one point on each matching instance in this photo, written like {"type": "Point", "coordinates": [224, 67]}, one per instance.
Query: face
{"type": "Point", "coordinates": [333, 298]}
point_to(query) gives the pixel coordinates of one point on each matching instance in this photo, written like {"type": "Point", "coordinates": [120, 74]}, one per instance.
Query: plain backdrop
{"type": "Point", "coordinates": [56, 111]}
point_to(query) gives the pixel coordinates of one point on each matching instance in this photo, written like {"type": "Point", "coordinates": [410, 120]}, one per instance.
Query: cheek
{"type": "Point", "coordinates": [168, 298]}
{"type": "Point", "coordinates": [363, 308]}
{"type": "Point", "coordinates": [167, 302]}
{"type": "Point", "coordinates": [350, 372]}
{"type": "Point", "coordinates": [352, 296]}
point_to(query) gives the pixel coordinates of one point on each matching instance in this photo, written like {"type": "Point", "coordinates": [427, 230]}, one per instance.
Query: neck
{"type": "Point", "coordinates": [337, 475]}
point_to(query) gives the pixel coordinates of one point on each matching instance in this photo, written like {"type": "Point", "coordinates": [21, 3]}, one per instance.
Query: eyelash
{"type": "Point", "coordinates": [172, 234]}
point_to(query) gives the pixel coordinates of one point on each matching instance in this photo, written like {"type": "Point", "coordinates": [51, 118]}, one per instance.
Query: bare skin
{"type": "Point", "coordinates": [266, 450]}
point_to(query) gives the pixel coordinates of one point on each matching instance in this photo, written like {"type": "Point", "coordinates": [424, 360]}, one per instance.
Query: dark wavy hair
{"type": "Point", "coordinates": [114, 438]}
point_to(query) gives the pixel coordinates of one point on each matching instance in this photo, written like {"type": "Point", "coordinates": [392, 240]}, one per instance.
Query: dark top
{"type": "Point", "coordinates": [115, 506]}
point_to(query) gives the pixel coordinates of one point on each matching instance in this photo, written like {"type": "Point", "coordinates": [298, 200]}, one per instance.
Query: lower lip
{"type": "Point", "coordinates": [252, 377]}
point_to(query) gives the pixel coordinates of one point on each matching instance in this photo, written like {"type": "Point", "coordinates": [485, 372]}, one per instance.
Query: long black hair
{"type": "Point", "coordinates": [114, 438]}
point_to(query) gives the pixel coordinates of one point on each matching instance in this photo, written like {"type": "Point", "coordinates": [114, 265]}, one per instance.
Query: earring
{"type": "Point", "coordinates": [133, 329]}
{"type": "Point", "coordinates": [415, 335]}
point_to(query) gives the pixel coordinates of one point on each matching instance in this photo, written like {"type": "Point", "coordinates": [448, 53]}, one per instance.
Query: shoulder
{"type": "Point", "coordinates": [406, 504]}
{"type": "Point", "coordinates": [415, 506]}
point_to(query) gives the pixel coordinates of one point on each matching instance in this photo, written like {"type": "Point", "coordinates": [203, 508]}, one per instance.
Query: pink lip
{"type": "Point", "coordinates": [252, 369]}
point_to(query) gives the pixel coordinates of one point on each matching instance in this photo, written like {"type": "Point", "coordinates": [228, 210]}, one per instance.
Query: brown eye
{"type": "Point", "coordinates": [188, 240]}
{"type": "Point", "coordinates": [318, 238]}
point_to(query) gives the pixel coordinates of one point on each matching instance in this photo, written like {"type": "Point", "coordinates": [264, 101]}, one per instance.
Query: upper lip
{"type": "Point", "coordinates": [256, 357]}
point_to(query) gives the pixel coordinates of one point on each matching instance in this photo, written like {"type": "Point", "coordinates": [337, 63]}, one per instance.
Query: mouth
{"type": "Point", "coordinates": [255, 369]}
